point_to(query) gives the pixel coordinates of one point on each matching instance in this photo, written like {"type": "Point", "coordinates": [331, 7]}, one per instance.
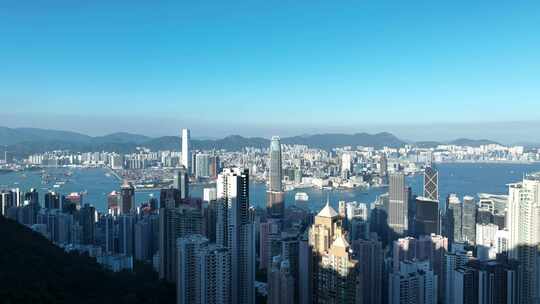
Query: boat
{"type": "Point", "coordinates": [301, 197]}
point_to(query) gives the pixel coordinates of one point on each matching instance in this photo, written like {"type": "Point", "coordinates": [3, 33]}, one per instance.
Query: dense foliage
{"type": "Point", "coordinates": [33, 270]}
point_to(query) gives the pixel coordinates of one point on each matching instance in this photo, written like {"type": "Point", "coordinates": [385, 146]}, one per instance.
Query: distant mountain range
{"type": "Point", "coordinates": [25, 141]}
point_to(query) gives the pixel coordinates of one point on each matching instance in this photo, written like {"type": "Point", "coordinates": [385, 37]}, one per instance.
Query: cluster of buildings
{"type": "Point", "coordinates": [404, 248]}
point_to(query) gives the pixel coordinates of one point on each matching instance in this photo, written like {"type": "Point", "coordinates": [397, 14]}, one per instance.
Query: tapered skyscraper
{"type": "Point", "coordinates": [275, 198]}
{"type": "Point", "coordinates": [431, 183]}
{"type": "Point", "coordinates": [185, 148]}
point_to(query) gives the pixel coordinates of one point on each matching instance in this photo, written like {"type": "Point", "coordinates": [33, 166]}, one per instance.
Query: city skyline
{"type": "Point", "coordinates": [325, 66]}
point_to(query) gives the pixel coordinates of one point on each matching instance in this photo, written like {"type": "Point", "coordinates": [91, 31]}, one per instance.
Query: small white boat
{"type": "Point", "coordinates": [301, 197]}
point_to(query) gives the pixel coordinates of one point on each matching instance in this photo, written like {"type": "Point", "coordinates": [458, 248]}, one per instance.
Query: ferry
{"type": "Point", "coordinates": [301, 197]}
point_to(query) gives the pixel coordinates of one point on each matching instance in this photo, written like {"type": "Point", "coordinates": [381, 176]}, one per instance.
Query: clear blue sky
{"type": "Point", "coordinates": [257, 67]}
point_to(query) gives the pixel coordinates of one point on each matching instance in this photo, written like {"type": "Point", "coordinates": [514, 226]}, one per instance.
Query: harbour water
{"type": "Point", "coordinates": [460, 178]}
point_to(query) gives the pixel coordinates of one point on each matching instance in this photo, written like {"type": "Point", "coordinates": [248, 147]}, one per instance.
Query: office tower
{"type": "Point", "coordinates": [427, 216]}
{"type": "Point", "coordinates": [269, 241]}
{"type": "Point", "coordinates": [175, 222]}
{"type": "Point", "coordinates": [414, 282]}
{"type": "Point", "coordinates": [453, 219]}
{"type": "Point", "coordinates": [369, 254]}
{"type": "Point", "coordinates": [110, 236]}
{"type": "Point", "coordinates": [431, 183]}
{"type": "Point", "coordinates": [236, 230]}
{"type": "Point", "coordinates": [52, 200]}
{"type": "Point", "coordinates": [398, 204]}
{"type": "Point", "coordinates": [290, 251]}
{"type": "Point", "coordinates": [181, 182]}
{"type": "Point", "coordinates": [113, 199]}
{"type": "Point", "coordinates": [87, 220]}
{"type": "Point", "coordinates": [143, 239]}
{"type": "Point", "coordinates": [202, 165]}
{"type": "Point", "coordinates": [431, 248]}
{"type": "Point", "coordinates": [305, 271]}
{"type": "Point", "coordinates": [189, 276]}
{"type": "Point", "coordinates": [337, 273]}
{"type": "Point", "coordinates": [126, 230]}
{"type": "Point", "coordinates": [275, 197]}
{"type": "Point", "coordinates": [280, 282]}
{"type": "Point", "coordinates": [523, 222]}
{"type": "Point", "coordinates": [356, 215]}
{"type": "Point", "coordinates": [185, 149]}
{"type": "Point", "coordinates": [321, 233]}
{"type": "Point", "coordinates": [490, 282]}
{"type": "Point", "coordinates": [169, 197]}
{"type": "Point", "coordinates": [468, 224]}
{"type": "Point", "coordinates": [127, 197]}
{"type": "Point", "coordinates": [453, 260]}
{"type": "Point", "coordinates": [6, 201]}
{"type": "Point", "coordinates": [32, 197]}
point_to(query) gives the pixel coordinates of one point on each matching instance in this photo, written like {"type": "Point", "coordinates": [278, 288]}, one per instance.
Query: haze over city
{"type": "Point", "coordinates": [269, 152]}
{"type": "Point", "coordinates": [424, 70]}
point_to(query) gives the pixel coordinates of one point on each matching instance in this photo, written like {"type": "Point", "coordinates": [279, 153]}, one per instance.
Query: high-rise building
{"type": "Point", "coordinates": [202, 165]}
{"type": "Point", "coordinates": [453, 219]}
{"type": "Point", "coordinates": [235, 229]}
{"type": "Point", "coordinates": [413, 282]}
{"type": "Point", "coordinates": [52, 200]}
{"type": "Point", "coordinates": [523, 222]}
{"type": "Point", "coordinates": [7, 200]}
{"type": "Point", "coordinates": [493, 282]}
{"type": "Point", "coordinates": [427, 216]}
{"type": "Point", "coordinates": [453, 260]}
{"type": "Point", "coordinates": [337, 274]}
{"type": "Point", "coordinates": [215, 263]}
{"type": "Point", "coordinates": [87, 220]}
{"type": "Point", "coordinates": [185, 149]}
{"type": "Point", "coordinates": [143, 240]}
{"type": "Point", "coordinates": [431, 183]}
{"type": "Point", "coordinates": [127, 197]}
{"type": "Point", "coordinates": [280, 282]}
{"type": "Point", "coordinates": [174, 223]}
{"type": "Point", "coordinates": [369, 254]}
{"type": "Point", "coordinates": [468, 222]}
{"type": "Point", "coordinates": [305, 271]}
{"type": "Point", "coordinates": [189, 276]}
{"type": "Point", "coordinates": [398, 204]}
{"type": "Point", "coordinates": [275, 196]}
{"type": "Point", "coordinates": [181, 182]}
{"type": "Point", "coordinates": [126, 233]}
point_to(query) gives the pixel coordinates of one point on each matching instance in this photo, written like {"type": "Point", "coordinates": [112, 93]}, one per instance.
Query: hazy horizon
{"type": "Point", "coordinates": [503, 132]}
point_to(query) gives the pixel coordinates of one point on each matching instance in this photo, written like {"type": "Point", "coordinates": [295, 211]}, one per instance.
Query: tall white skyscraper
{"type": "Point", "coordinates": [415, 282]}
{"type": "Point", "coordinates": [523, 222]}
{"type": "Point", "coordinates": [235, 231]}
{"type": "Point", "coordinates": [185, 148]}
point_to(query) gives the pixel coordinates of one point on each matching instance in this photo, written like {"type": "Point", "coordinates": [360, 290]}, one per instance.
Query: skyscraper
{"type": "Point", "coordinates": [236, 230]}
{"type": "Point", "coordinates": [453, 219]}
{"type": "Point", "coordinates": [275, 197]}
{"type": "Point", "coordinates": [127, 197]}
{"type": "Point", "coordinates": [181, 182]}
{"type": "Point", "coordinates": [468, 220]}
{"type": "Point", "coordinates": [87, 219]}
{"type": "Point", "coordinates": [369, 254]}
{"type": "Point", "coordinates": [427, 216]}
{"type": "Point", "coordinates": [280, 282]}
{"type": "Point", "coordinates": [185, 148]}
{"type": "Point", "coordinates": [398, 204]}
{"type": "Point", "coordinates": [126, 233]}
{"type": "Point", "coordinates": [189, 276]}
{"type": "Point", "coordinates": [431, 183]}
{"type": "Point", "coordinates": [523, 222]}
{"type": "Point", "coordinates": [175, 222]}
{"type": "Point", "coordinates": [52, 200]}
{"type": "Point", "coordinates": [414, 282]}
